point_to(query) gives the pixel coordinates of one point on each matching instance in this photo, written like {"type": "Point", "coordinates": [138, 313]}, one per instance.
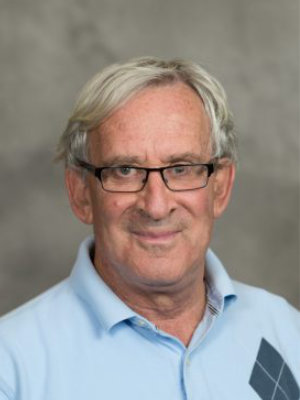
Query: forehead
{"type": "Point", "coordinates": [156, 123]}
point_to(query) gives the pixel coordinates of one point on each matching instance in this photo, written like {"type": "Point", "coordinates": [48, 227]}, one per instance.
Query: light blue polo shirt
{"type": "Point", "coordinates": [79, 341]}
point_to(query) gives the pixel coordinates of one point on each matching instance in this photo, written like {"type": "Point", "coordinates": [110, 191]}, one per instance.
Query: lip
{"type": "Point", "coordinates": [156, 237]}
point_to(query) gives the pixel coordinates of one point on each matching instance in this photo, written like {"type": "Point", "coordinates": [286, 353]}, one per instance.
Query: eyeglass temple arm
{"type": "Point", "coordinates": [210, 168]}
{"type": "Point", "coordinates": [86, 165]}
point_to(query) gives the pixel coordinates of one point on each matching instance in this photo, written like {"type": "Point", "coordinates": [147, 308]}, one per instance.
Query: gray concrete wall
{"type": "Point", "coordinates": [50, 48]}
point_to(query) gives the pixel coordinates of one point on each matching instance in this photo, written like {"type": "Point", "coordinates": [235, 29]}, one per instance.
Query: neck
{"type": "Point", "coordinates": [177, 310]}
{"type": "Point", "coordinates": [177, 314]}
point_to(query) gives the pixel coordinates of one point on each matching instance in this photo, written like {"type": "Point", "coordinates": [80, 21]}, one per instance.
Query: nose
{"type": "Point", "coordinates": [156, 201]}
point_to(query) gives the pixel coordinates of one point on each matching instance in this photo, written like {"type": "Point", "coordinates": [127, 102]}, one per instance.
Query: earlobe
{"type": "Point", "coordinates": [223, 184]}
{"type": "Point", "coordinates": [79, 196]}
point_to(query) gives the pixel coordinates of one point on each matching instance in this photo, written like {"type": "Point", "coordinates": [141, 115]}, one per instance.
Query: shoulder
{"type": "Point", "coordinates": [47, 303]}
{"type": "Point", "coordinates": [257, 317]}
{"type": "Point", "coordinates": [266, 305]}
{"type": "Point", "coordinates": [28, 332]}
{"type": "Point", "coordinates": [29, 325]}
{"type": "Point", "coordinates": [257, 313]}
{"type": "Point", "coordinates": [261, 299]}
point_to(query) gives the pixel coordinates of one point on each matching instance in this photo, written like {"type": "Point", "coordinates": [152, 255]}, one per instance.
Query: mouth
{"type": "Point", "coordinates": [156, 237]}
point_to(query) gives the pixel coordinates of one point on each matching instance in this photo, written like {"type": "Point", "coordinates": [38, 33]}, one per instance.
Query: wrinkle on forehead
{"type": "Point", "coordinates": [174, 112]}
{"type": "Point", "coordinates": [146, 97]}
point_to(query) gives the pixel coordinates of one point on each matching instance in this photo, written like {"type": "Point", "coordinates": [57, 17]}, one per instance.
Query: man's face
{"type": "Point", "coordinates": [156, 237]}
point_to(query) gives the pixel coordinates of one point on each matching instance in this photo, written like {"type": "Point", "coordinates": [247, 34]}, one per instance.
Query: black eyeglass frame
{"type": "Point", "coordinates": [97, 171]}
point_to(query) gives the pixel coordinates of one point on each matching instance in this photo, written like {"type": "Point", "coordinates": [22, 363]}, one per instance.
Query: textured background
{"type": "Point", "coordinates": [50, 48]}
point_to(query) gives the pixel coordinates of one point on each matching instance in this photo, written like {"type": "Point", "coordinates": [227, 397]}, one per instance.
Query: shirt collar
{"type": "Point", "coordinates": [106, 306]}
{"type": "Point", "coordinates": [110, 310]}
{"type": "Point", "coordinates": [220, 290]}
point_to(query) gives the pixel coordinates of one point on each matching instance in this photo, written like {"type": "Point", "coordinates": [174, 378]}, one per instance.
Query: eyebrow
{"type": "Point", "coordinates": [187, 156]}
{"type": "Point", "coordinates": [174, 158]}
{"type": "Point", "coordinates": [122, 160]}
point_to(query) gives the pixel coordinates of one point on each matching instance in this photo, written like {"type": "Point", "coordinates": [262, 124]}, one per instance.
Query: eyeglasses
{"type": "Point", "coordinates": [129, 179]}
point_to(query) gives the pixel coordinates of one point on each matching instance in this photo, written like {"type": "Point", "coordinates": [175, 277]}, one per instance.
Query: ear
{"type": "Point", "coordinates": [79, 195]}
{"type": "Point", "coordinates": [223, 184]}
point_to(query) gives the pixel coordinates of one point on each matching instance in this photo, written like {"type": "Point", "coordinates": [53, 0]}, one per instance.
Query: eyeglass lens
{"type": "Point", "coordinates": [131, 179]}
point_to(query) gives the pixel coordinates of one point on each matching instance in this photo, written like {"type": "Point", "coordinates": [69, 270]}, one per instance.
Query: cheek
{"type": "Point", "coordinates": [201, 212]}
{"type": "Point", "coordinates": [199, 204]}
{"type": "Point", "coordinates": [110, 212]}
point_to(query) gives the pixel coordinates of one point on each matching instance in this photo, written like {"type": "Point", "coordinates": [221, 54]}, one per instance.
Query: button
{"type": "Point", "coordinates": [141, 323]}
{"type": "Point", "coordinates": [188, 361]}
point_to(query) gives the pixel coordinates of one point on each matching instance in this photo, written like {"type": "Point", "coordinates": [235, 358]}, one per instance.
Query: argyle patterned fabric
{"type": "Point", "coordinates": [271, 377]}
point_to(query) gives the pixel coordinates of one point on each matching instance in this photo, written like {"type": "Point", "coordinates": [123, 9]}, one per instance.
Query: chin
{"type": "Point", "coordinates": [162, 274]}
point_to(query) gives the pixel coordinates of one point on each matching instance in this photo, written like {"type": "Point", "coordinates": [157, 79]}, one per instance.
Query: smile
{"type": "Point", "coordinates": [156, 237]}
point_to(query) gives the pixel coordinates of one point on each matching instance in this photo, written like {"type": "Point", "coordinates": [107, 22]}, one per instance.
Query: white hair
{"type": "Point", "coordinates": [110, 88]}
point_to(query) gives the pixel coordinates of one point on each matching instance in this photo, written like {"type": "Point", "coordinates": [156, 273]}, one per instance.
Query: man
{"type": "Point", "coordinates": [149, 311]}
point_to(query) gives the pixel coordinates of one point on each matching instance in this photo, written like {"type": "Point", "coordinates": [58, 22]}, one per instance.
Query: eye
{"type": "Point", "coordinates": [179, 170]}
{"type": "Point", "coordinates": [125, 171]}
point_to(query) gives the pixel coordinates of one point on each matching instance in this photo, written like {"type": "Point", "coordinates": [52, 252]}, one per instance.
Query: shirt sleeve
{"type": "Point", "coordinates": [8, 374]}
{"type": "Point", "coordinates": [3, 396]}
{"type": "Point", "coordinates": [5, 392]}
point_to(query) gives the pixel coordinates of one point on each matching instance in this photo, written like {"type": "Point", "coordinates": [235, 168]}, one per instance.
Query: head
{"type": "Point", "coordinates": [150, 113]}
{"type": "Point", "coordinates": [113, 86]}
